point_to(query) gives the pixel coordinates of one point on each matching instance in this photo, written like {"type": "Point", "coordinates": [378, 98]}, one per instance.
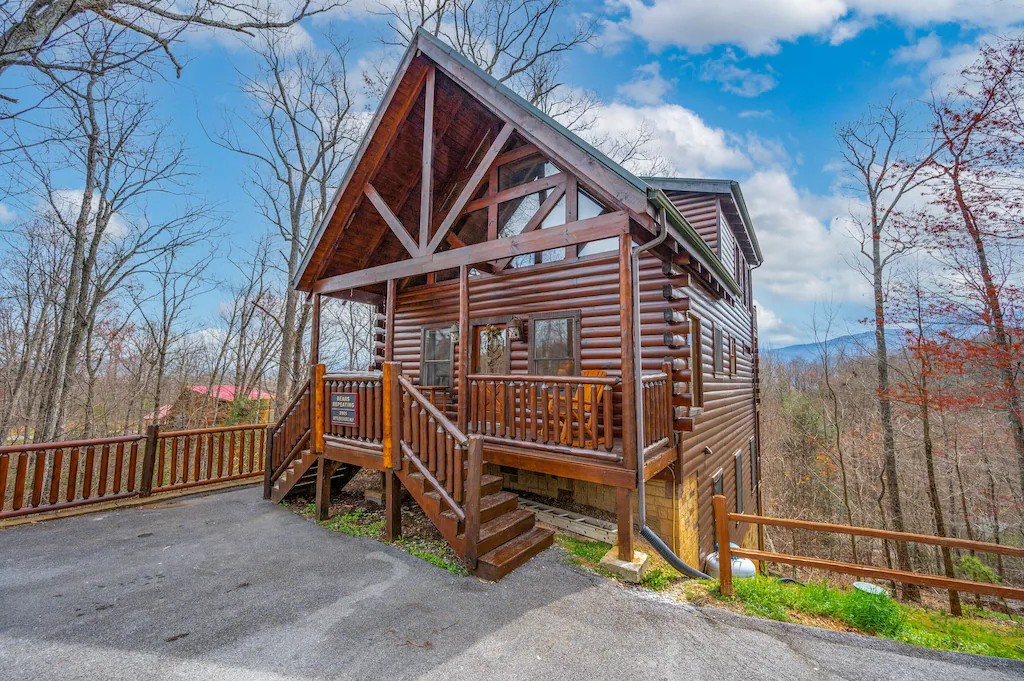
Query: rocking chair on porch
{"type": "Point", "coordinates": [583, 402]}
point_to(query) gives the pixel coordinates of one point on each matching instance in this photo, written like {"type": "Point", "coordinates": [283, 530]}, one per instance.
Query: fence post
{"type": "Point", "coordinates": [724, 552]}
{"type": "Point", "coordinates": [149, 459]}
{"type": "Point", "coordinates": [472, 503]}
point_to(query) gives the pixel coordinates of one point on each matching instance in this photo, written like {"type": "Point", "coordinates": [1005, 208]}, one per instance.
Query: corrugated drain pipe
{"type": "Point", "coordinates": [641, 484]}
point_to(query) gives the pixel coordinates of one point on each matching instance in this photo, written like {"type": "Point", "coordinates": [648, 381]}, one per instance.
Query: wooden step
{"type": "Point", "coordinates": [492, 506]}
{"type": "Point", "coordinates": [489, 484]}
{"type": "Point", "coordinates": [504, 528]}
{"type": "Point", "coordinates": [497, 563]}
{"type": "Point", "coordinates": [287, 480]}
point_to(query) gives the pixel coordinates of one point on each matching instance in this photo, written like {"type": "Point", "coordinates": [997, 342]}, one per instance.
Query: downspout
{"type": "Point", "coordinates": [641, 484]}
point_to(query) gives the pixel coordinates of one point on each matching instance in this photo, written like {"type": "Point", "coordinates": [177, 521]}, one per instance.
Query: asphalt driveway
{"type": "Point", "coordinates": [230, 586]}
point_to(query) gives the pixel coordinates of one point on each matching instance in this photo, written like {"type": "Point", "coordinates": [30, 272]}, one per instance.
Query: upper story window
{"type": "Point", "coordinates": [436, 357]}
{"type": "Point", "coordinates": [523, 171]}
{"type": "Point", "coordinates": [555, 344]}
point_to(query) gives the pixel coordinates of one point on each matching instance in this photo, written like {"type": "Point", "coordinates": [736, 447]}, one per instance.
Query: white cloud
{"type": "Point", "coordinates": [759, 27]}
{"type": "Point", "coordinates": [754, 25]}
{"type": "Point", "coordinates": [925, 49]}
{"type": "Point", "coordinates": [692, 146]}
{"type": "Point", "coordinates": [648, 87]}
{"type": "Point", "coordinates": [806, 246]}
{"type": "Point", "coordinates": [755, 113]}
{"type": "Point", "coordinates": [736, 79]}
{"type": "Point", "coordinates": [772, 330]}
{"type": "Point", "coordinates": [6, 214]}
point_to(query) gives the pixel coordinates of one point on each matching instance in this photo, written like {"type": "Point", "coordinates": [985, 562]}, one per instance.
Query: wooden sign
{"type": "Point", "coordinates": [345, 409]}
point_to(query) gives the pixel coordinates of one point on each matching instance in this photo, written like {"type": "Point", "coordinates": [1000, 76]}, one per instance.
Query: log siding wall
{"type": "Point", "coordinates": [591, 286]}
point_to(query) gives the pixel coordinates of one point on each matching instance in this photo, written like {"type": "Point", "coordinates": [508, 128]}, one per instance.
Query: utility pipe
{"type": "Point", "coordinates": [641, 484]}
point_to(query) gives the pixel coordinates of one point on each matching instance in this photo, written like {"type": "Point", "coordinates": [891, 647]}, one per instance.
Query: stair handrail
{"type": "Point", "coordinates": [291, 406]}
{"type": "Point", "coordinates": [442, 420]}
{"type": "Point", "coordinates": [469, 512]}
{"type": "Point", "coordinates": [274, 472]}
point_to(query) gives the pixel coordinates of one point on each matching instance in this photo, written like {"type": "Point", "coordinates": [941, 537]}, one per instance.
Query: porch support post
{"type": "Point", "coordinates": [392, 506]}
{"type": "Point", "coordinates": [464, 345]}
{"type": "Point", "coordinates": [324, 472]}
{"type": "Point", "coordinates": [624, 516]}
{"type": "Point", "coordinates": [624, 500]}
{"type": "Point", "coordinates": [389, 321]}
{"type": "Point", "coordinates": [314, 332]}
{"type": "Point", "coordinates": [628, 356]}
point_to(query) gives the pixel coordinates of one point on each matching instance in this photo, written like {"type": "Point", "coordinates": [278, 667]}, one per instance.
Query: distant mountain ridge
{"type": "Point", "coordinates": [853, 345]}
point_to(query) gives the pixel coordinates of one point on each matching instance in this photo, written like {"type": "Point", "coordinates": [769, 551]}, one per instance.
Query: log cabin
{"type": "Point", "coordinates": [548, 323]}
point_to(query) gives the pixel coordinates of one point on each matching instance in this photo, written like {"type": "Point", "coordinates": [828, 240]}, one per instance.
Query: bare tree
{"type": "Point", "coordinates": [104, 136]}
{"type": "Point", "coordinates": [175, 284]}
{"type": "Point", "coordinates": [885, 161]}
{"type": "Point", "coordinates": [299, 136]}
{"type": "Point", "coordinates": [36, 33]}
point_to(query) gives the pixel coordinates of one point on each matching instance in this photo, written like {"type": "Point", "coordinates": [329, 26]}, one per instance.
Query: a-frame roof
{"type": "Point", "coordinates": [471, 111]}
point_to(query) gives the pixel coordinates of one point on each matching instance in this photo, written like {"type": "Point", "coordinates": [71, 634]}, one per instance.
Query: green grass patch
{"type": "Point", "coordinates": [585, 551]}
{"type": "Point", "coordinates": [980, 632]}
{"type": "Point", "coordinates": [657, 579]}
{"type": "Point", "coordinates": [360, 522]}
{"type": "Point", "coordinates": [437, 552]}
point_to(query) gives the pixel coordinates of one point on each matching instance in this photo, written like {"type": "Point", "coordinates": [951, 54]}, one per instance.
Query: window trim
{"type": "Point", "coordinates": [717, 350]}
{"type": "Point", "coordinates": [696, 360]}
{"type": "Point", "coordinates": [423, 348]}
{"type": "Point", "coordinates": [733, 357]}
{"type": "Point", "coordinates": [576, 316]}
{"type": "Point", "coordinates": [739, 480]}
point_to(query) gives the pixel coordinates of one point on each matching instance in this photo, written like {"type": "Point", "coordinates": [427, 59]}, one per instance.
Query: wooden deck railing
{"type": "Point", "coordinates": [560, 412]}
{"type": "Point", "coordinates": [188, 458]}
{"type": "Point", "coordinates": [450, 461]}
{"type": "Point", "coordinates": [726, 553]}
{"type": "Point", "coordinates": [657, 404]}
{"type": "Point", "coordinates": [35, 478]}
{"type": "Point", "coordinates": [369, 388]}
{"type": "Point", "coordinates": [56, 475]}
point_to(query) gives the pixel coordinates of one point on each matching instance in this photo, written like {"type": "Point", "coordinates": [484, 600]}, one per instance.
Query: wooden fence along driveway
{"type": "Point", "coordinates": [726, 552]}
{"type": "Point", "coordinates": [36, 478]}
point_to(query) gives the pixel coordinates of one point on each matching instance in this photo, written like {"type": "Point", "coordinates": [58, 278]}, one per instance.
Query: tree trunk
{"type": "Point", "coordinates": [889, 466]}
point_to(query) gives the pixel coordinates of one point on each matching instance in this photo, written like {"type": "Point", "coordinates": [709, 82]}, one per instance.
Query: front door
{"type": "Point", "coordinates": [491, 356]}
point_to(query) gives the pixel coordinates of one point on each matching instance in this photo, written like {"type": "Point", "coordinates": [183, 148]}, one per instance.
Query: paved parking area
{"type": "Point", "coordinates": [228, 586]}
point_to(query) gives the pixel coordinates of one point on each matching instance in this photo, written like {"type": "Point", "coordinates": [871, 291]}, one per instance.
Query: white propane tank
{"type": "Point", "coordinates": [742, 568]}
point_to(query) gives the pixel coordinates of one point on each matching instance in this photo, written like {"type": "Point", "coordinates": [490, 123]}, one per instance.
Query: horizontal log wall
{"type": "Point", "coordinates": [727, 423]}
{"type": "Point", "coordinates": [590, 285]}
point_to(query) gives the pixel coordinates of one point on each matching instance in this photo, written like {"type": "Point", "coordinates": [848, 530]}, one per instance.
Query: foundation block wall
{"type": "Point", "coordinates": [671, 504]}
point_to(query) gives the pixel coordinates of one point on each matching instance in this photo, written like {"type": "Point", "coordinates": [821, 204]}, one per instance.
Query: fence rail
{"type": "Point", "coordinates": [188, 458]}
{"type": "Point", "coordinates": [726, 553]}
{"type": "Point", "coordinates": [51, 476]}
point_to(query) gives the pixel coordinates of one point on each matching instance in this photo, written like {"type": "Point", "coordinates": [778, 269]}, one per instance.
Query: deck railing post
{"type": "Point", "coordinates": [392, 415]}
{"type": "Point", "coordinates": [472, 508]}
{"type": "Point", "coordinates": [722, 537]}
{"type": "Point", "coordinates": [268, 460]}
{"type": "Point", "coordinates": [317, 414]}
{"type": "Point", "coordinates": [149, 459]}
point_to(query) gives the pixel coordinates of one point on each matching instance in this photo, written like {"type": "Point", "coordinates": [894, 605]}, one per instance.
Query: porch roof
{"type": "Point", "coordinates": [355, 235]}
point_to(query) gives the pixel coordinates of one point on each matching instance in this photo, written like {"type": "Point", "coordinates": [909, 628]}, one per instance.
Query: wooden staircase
{"type": "Point", "coordinates": [295, 471]}
{"type": "Point", "coordinates": [508, 534]}
{"type": "Point", "coordinates": [438, 464]}
{"type": "Point", "coordinates": [442, 469]}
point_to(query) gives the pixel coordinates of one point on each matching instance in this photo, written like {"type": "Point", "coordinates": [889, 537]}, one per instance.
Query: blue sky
{"type": "Point", "coordinates": [748, 90]}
